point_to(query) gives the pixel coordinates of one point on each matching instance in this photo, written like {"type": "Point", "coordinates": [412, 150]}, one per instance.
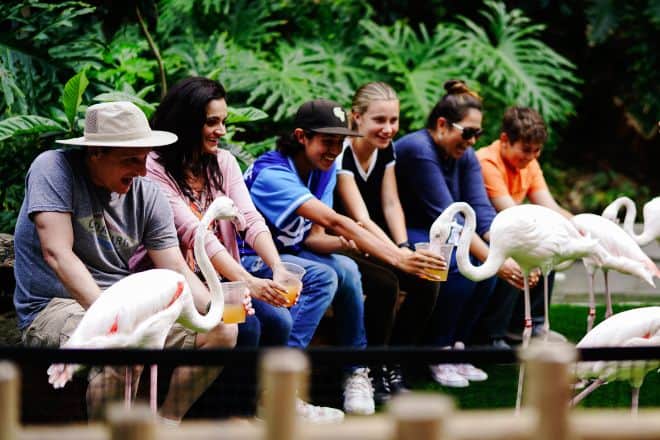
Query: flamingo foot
{"type": "Point", "coordinates": [60, 374]}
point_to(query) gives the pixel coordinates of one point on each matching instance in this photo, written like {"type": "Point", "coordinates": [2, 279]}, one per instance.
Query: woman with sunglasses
{"type": "Point", "coordinates": [366, 191]}
{"type": "Point", "coordinates": [435, 167]}
{"type": "Point", "coordinates": [512, 174]}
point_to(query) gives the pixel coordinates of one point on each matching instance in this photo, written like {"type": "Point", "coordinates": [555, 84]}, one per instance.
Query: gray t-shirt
{"type": "Point", "coordinates": [107, 227]}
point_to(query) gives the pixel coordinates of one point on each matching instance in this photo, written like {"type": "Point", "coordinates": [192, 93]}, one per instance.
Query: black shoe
{"type": "Point", "coordinates": [382, 390]}
{"type": "Point", "coordinates": [396, 380]}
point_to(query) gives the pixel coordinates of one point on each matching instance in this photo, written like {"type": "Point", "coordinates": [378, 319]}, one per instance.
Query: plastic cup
{"type": "Point", "coordinates": [290, 276]}
{"type": "Point", "coordinates": [443, 250]}
{"type": "Point", "coordinates": [234, 293]}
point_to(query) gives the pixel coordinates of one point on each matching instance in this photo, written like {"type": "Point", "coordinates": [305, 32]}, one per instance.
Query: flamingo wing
{"type": "Point", "coordinates": [620, 252]}
{"type": "Point", "coordinates": [536, 236]}
{"type": "Point", "coordinates": [128, 302]}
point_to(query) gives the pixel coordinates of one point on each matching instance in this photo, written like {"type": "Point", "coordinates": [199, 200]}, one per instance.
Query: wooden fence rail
{"type": "Point", "coordinates": [546, 414]}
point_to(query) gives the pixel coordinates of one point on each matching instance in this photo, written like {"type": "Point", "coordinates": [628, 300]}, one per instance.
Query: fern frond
{"type": "Point", "coordinates": [27, 124]}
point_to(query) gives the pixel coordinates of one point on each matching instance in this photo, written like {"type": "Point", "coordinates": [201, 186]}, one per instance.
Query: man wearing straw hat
{"type": "Point", "coordinates": [86, 210]}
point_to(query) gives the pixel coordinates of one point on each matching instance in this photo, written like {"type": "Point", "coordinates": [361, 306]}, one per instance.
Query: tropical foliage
{"type": "Point", "coordinates": [59, 57]}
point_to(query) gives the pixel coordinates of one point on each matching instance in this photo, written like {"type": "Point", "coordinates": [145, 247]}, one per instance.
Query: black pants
{"type": "Point", "coordinates": [505, 312]}
{"type": "Point", "coordinates": [381, 284]}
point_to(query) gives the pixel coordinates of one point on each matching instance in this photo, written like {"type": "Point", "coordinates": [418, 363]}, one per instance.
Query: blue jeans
{"type": "Point", "coordinates": [270, 326]}
{"type": "Point", "coordinates": [348, 303]}
{"type": "Point", "coordinates": [460, 303]}
{"type": "Point", "coordinates": [319, 286]}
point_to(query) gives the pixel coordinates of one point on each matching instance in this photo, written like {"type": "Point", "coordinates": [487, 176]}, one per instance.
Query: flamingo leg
{"type": "Point", "coordinates": [591, 317]}
{"type": "Point", "coordinates": [585, 392]}
{"type": "Point", "coordinates": [153, 389]}
{"type": "Point", "coordinates": [546, 306]}
{"type": "Point", "coordinates": [527, 333]}
{"type": "Point", "coordinates": [634, 406]}
{"type": "Point", "coordinates": [128, 387]}
{"type": "Point", "coordinates": [608, 297]}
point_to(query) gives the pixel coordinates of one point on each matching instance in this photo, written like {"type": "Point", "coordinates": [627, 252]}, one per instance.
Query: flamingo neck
{"type": "Point", "coordinates": [214, 315]}
{"type": "Point", "coordinates": [629, 217]}
{"type": "Point", "coordinates": [470, 271]}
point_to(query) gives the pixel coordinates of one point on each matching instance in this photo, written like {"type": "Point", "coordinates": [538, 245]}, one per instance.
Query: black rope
{"type": "Point", "coordinates": [317, 355]}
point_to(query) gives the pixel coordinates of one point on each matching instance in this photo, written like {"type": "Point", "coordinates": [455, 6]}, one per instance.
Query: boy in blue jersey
{"type": "Point", "coordinates": [293, 187]}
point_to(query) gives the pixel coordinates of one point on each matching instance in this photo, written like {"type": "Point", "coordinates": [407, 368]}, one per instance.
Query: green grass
{"type": "Point", "coordinates": [499, 391]}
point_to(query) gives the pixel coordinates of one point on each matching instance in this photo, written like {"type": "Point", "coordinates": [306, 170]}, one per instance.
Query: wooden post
{"type": "Point", "coordinates": [548, 390]}
{"type": "Point", "coordinates": [9, 401]}
{"type": "Point", "coordinates": [283, 376]}
{"type": "Point", "coordinates": [421, 416]}
{"type": "Point", "coordinates": [135, 423]}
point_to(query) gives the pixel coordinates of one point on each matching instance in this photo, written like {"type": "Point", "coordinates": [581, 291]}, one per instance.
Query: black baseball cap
{"type": "Point", "coordinates": [323, 116]}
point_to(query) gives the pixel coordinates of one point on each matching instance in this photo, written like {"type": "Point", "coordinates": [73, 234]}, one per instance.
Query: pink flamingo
{"type": "Point", "coordinates": [139, 310]}
{"type": "Point", "coordinates": [533, 235]}
{"type": "Point", "coordinates": [616, 251]}
{"type": "Point", "coordinates": [632, 328]}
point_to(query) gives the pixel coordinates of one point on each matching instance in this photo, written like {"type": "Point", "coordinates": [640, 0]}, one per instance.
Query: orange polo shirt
{"type": "Point", "coordinates": [502, 180]}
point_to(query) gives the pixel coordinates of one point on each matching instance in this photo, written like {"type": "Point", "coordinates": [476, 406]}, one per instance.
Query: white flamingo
{"type": "Point", "coordinates": [632, 328]}
{"type": "Point", "coordinates": [140, 309]}
{"type": "Point", "coordinates": [533, 235]}
{"type": "Point", "coordinates": [616, 251]}
{"type": "Point", "coordinates": [651, 212]}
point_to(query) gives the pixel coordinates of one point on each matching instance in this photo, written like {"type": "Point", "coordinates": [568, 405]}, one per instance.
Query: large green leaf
{"type": "Point", "coordinates": [27, 124]}
{"type": "Point", "coordinates": [416, 63]}
{"type": "Point", "coordinates": [603, 18]}
{"type": "Point", "coordinates": [244, 114]}
{"type": "Point", "coordinates": [511, 62]}
{"type": "Point", "coordinates": [147, 107]}
{"type": "Point", "coordinates": [72, 96]}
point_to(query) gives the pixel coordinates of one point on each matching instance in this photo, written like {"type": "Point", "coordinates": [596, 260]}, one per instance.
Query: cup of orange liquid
{"type": "Point", "coordinates": [234, 293]}
{"type": "Point", "coordinates": [290, 276]}
{"type": "Point", "coordinates": [443, 250]}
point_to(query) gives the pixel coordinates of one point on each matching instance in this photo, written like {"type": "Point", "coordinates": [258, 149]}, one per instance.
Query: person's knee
{"type": "Point", "coordinates": [285, 324]}
{"type": "Point", "coordinates": [222, 336]}
{"type": "Point", "coordinates": [249, 333]}
{"type": "Point", "coordinates": [350, 279]}
{"type": "Point", "coordinates": [321, 279]}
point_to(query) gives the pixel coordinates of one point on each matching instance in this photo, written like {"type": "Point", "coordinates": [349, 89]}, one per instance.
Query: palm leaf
{"type": "Point", "coordinates": [512, 63]}
{"type": "Point", "coordinates": [283, 81]}
{"type": "Point", "coordinates": [27, 124]}
{"type": "Point", "coordinates": [416, 63]}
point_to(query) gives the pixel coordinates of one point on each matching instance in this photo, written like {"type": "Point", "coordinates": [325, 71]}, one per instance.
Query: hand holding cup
{"type": "Point", "coordinates": [289, 275]}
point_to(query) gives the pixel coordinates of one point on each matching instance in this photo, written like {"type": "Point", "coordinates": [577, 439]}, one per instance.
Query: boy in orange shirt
{"type": "Point", "coordinates": [512, 174]}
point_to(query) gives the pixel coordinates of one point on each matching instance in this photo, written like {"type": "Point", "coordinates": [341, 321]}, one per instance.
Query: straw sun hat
{"type": "Point", "coordinates": [119, 124]}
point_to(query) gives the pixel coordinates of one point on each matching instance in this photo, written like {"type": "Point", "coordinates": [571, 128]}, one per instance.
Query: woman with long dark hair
{"type": "Point", "coordinates": [193, 172]}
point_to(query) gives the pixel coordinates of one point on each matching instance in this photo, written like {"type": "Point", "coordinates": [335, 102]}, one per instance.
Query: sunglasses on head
{"type": "Point", "coordinates": [468, 132]}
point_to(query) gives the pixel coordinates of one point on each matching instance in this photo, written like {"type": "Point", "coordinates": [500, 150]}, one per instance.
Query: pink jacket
{"type": "Point", "coordinates": [185, 220]}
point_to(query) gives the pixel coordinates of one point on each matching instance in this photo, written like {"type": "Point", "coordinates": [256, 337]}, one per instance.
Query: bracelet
{"type": "Point", "coordinates": [405, 244]}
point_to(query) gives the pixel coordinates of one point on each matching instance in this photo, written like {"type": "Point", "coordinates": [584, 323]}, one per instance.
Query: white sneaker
{"type": "Point", "coordinates": [359, 393]}
{"type": "Point", "coordinates": [318, 414]}
{"type": "Point", "coordinates": [469, 371]}
{"type": "Point", "coordinates": [446, 375]}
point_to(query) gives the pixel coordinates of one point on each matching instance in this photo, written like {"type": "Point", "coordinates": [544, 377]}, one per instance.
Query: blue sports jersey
{"type": "Point", "coordinates": [277, 192]}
